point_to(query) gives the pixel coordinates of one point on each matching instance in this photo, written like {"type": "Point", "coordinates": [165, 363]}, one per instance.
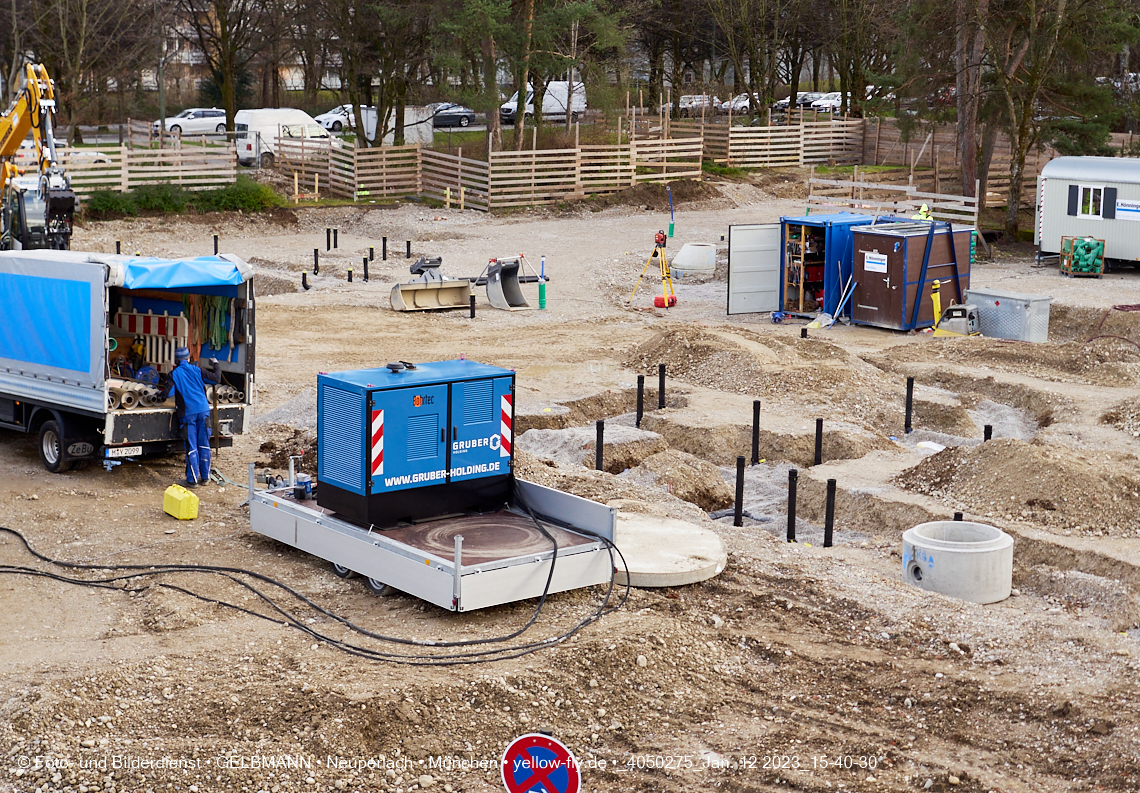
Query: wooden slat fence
{"type": "Point", "coordinates": [715, 136]}
{"type": "Point", "coordinates": [665, 160]}
{"type": "Point", "coordinates": [121, 168]}
{"type": "Point", "coordinates": [467, 179]}
{"type": "Point", "coordinates": [305, 158]}
{"type": "Point", "coordinates": [605, 169]}
{"type": "Point", "coordinates": [529, 178]}
{"type": "Point", "coordinates": [343, 169]}
{"type": "Point", "coordinates": [779, 145]}
{"type": "Point", "coordinates": [386, 172]}
{"type": "Point", "coordinates": [329, 166]}
{"type": "Point", "coordinates": [877, 198]}
{"type": "Point", "coordinates": [934, 146]}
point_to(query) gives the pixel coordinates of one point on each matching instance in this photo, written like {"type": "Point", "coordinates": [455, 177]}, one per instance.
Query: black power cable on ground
{"type": "Point", "coordinates": [289, 619]}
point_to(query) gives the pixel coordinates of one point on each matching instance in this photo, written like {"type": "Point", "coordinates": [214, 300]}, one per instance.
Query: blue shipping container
{"type": "Point", "coordinates": [836, 253]}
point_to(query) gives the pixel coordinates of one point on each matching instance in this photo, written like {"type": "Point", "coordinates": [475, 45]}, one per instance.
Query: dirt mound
{"type": "Point", "coordinates": [1051, 486]}
{"type": "Point", "coordinates": [620, 492]}
{"type": "Point", "coordinates": [703, 358]}
{"type": "Point", "coordinates": [1125, 416]}
{"type": "Point", "coordinates": [654, 196]}
{"type": "Point", "coordinates": [687, 477]}
{"type": "Point", "coordinates": [1079, 323]}
{"type": "Point", "coordinates": [624, 447]}
{"type": "Point", "coordinates": [272, 284]}
{"type": "Point", "coordinates": [1104, 361]}
{"type": "Point", "coordinates": [1109, 600]}
{"type": "Point", "coordinates": [741, 360]}
{"type": "Point", "coordinates": [973, 391]}
{"type": "Point", "coordinates": [947, 417]}
{"type": "Point", "coordinates": [284, 442]}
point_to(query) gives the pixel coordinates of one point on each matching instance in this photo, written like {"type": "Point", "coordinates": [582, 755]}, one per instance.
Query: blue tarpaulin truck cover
{"type": "Point", "coordinates": [53, 316]}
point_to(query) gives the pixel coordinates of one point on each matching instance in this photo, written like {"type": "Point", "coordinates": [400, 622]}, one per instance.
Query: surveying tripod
{"type": "Point", "coordinates": [668, 296]}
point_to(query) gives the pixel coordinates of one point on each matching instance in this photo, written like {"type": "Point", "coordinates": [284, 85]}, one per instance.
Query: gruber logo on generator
{"type": "Point", "coordinates": [494, 442]}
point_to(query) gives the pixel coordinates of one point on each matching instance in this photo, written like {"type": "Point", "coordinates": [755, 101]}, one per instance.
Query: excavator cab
{"type": "Point", "coordinates": [35, 211]}
{"type": "Point", "coordinates": [35, 217]}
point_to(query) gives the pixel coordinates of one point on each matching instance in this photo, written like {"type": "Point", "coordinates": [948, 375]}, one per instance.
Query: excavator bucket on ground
{"type": "Point", "coordinates": [432, 290]}
{"type": "Point", "coordinates": [503, 289]}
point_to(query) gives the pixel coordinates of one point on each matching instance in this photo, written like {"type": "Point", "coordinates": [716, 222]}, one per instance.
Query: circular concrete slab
{"type": "Point", "coordinates": [667, 552]}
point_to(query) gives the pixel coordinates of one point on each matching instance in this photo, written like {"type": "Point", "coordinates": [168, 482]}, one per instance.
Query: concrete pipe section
{"type": "Point", "coordinates": [695, 257]}
{"type": "Point", "coordinates": [969, 561]}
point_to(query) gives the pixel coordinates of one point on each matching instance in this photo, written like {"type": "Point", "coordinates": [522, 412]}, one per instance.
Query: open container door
{"type": "Point", "coordinates": [753, 268]}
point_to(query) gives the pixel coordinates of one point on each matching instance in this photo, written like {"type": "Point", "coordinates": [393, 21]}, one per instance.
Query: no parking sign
{"type": "Point", "coordinates": [536, 763]}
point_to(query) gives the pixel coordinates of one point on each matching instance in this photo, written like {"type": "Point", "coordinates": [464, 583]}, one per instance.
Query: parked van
{"type": "Point", "coordinates": [555, 102]}
{"type": "Point", "coordinates": [257, 131]}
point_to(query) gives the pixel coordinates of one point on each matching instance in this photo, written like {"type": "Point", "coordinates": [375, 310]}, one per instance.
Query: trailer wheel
{"type": "Point", "coordinates": [51, 448]}
{"type": "Point", "coordinates": [375, 587]}
{"type": "Point", "coordinates": [340, 572]}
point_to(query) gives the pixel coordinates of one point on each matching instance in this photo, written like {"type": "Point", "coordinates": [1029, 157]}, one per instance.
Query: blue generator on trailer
{"type": "Point", "coordinates": [410, 442]}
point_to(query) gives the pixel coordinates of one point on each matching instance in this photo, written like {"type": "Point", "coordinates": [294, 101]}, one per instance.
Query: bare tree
{"type": "Point", "coordinates": [230, 34]}
{"type": "Point", "coordinates": [1022, 38]}
{"type": "Point", "coordinates": [969, 49]}
{"type": "Point", "coordinates": [85, 41]}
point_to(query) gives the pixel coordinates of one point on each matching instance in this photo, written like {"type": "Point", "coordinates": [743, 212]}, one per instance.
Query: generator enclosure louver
{"type": "Point", "coordinates": [409, 444]}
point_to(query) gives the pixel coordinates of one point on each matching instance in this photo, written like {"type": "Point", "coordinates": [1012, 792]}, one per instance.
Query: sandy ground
{"type": "Point", "coordinates": [798, 667]}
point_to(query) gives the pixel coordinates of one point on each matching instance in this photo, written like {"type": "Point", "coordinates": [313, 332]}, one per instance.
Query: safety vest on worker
{"type": "Point", "coordinates": [923, 213]}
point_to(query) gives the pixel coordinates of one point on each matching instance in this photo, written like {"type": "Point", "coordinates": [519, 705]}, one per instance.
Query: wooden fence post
{"type": "Point", "coordinates": [934, 160]}
{"type": "Point", "coordinates": [125, 179]}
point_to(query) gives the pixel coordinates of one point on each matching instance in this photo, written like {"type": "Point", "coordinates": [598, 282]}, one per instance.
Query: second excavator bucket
{"type": "Point", "coordinates": [432, 290]}
{"type": "Point", "coordinates": [503, 289]}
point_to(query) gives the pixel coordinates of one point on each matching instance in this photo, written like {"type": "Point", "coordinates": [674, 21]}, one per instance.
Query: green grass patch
{"type": "Point", "coordinates": [244, 195]}
{"type": "Point", "coordinates": [109, 204]}
{"type": "Point", "coordinates": [716, 169]}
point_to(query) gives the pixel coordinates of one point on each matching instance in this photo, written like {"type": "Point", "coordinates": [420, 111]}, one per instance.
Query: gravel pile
{"type": "Point", "coordinates": [1054, 487]}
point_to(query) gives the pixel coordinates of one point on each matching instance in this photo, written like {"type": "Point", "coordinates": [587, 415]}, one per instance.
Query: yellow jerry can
{"type": "Point", "coordinates": [180, 502]}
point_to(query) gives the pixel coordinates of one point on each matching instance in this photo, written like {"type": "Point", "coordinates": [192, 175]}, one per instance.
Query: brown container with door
{"type": "Point", "coordinates": [892, 283]}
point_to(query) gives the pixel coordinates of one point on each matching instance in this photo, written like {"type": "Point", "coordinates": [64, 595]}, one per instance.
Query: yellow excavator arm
{"type": "Point", "coordinates": [46, 220]}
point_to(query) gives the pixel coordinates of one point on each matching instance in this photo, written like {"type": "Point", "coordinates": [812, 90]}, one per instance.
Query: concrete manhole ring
{"type": "Point", "coordinates": [666, 552]}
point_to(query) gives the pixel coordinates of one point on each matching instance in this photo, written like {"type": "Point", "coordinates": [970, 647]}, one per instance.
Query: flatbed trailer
{"type": "Point", "coordinates": [459, 562]}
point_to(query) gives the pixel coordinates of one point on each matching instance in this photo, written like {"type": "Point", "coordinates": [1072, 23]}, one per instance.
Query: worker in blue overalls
{"type": "Point", "coordinates": [189, 390]}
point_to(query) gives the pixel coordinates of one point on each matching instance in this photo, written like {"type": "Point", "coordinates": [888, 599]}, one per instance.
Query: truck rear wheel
{"type": "Point", "coordinates": [51, 448]}
{"type": "Point", "coordinates": [267, 159]}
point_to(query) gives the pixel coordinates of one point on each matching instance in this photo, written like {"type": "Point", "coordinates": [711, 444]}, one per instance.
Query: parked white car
{"type": "Point", "coordinates": [830, 102]}
{"type": "Point", "coordinates": [341, 117]}
{"type": "Point", "coordinates": [738, 104]}
{"type": "Point", "coordinates": [194, 121]}
{"type": "Point", "coordinates": [691, 104]}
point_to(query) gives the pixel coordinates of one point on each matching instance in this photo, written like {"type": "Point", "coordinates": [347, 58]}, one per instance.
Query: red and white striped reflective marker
{"type": "Point", "coordinates": [508, 415]}
{"type": "Point", "coordinates": [377, 441]}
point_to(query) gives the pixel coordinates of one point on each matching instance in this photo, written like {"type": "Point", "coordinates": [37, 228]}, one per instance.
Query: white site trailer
{"type": "Point", "coordinates": [1090, 196]}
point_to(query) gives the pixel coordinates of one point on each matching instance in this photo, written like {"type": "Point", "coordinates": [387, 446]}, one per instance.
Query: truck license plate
{"type": "Point", "coordinates": [124, 451]}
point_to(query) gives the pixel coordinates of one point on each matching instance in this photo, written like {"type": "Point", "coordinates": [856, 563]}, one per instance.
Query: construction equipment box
{"type": "Point", "coordinates": [405, 443]}
{"type": "Point", "coordinates": [76, 328]}
{"type": "Point", "coordinates": [896, 265]}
